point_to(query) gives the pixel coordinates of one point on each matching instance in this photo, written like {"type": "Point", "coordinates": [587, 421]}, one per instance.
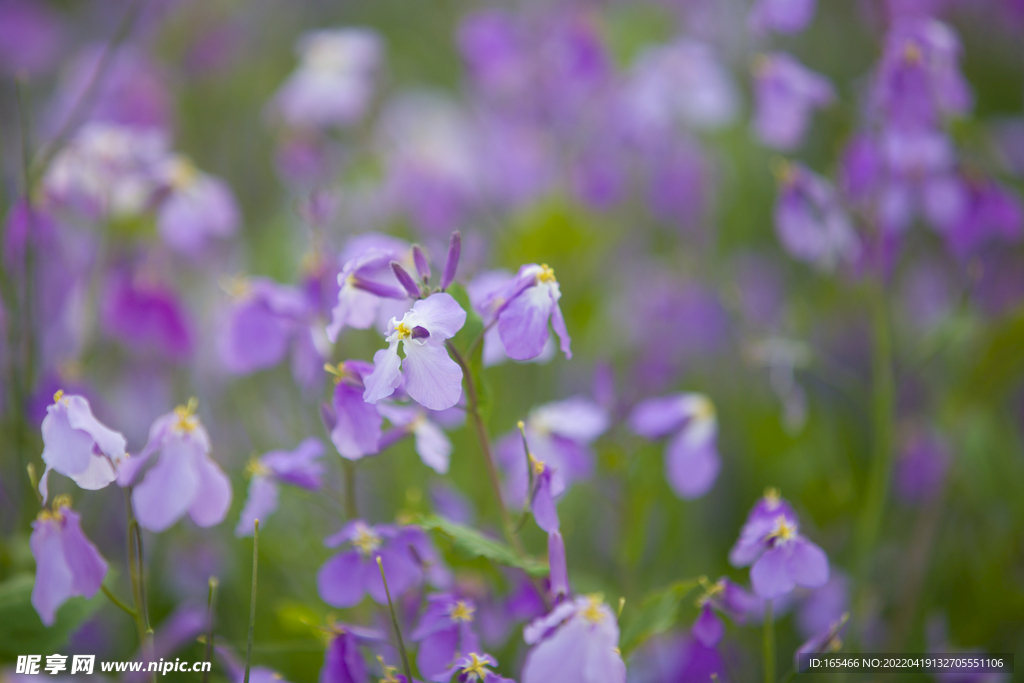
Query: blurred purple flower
{"type": "Point", "coordinates": [485, 295]}
{"type": "Point", "coordinates": [577, 642]}
{"type": "Point", "coordinates": [920, 470]}
{"type": "Point", "coordinates": [299, 467]}
{"type": "Point", "coordinates": [78, 446]}
{"type": "Point", "coordinates": [691, 457]}
{"type": "Point", "coordinates": [145, 315]}
{"type": "Point", "coordinates": [810, 221]}
{"type": "Point", "coordinates": [472, 668]}
{"type": "Point", "coordinates": [30, 37]}
{"type": "Point", "coordinates": [559, 434]}
{"type": "Point", "coordinates": [432, 444]}
{"type": "Point", "coordinates": [177, 630]}
{"type": "Point", "coordinates": [826, 640]}
{"type": "Point", "coordinates": [786, 93]}
{"type": "Point", "coordinates": [559, 573]}
{"type": "Point", "coordinates": [67, 563]}
{"type": "Point", "coordinates": [184, 479]}
{"type": "Point", "coordinates": [197, 208]}
{"type": "Point", "coordinates": [824, 606]}
{"type": "Point", "coordinates": [528, 301]}
{"type": "Point", "coordinates": [445, 633]}
{"type": "Point", "coordinates": [678, 659]}
{"type": "Point", "coordinates": [992, 213]}
{"type": "Point", "coordinates": [449, 502]}
{"type": "Point", "coordinates": [365, 279]}
{"type": "Point", "coordinates": [343, 663]}
{"type": "Point", "coordinates": [782, 558]}
{"type": "Point", "coordinates": [431, 378]}
{"type": "Point", "coordinates": [346, 577]}
{"type": "Point", "coordinates": [334, 82]}
{"type": "Point", "coordinates": [780, 16]}
{"type": "Point", "coordinates": [354, 424]}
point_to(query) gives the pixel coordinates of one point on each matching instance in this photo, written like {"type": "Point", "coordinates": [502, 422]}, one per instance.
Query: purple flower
{"type": "Point", "coordinates": [921, 467]}
{"type": "Point", "coordinates": [809, 220]}
{"type": "Point", "coordinates": [299, 467]}
{"type": "Point", "coordinates": [445, 634]}
{"type": "Point", "coordinates": [786, 93]}
{"type": "Point", "coordinates": [827, 640]}
{"type": "Point", "coordinates": [733, 600]}
{"type": "Point", "coordinates": [145, 315]}
{"type": "Point", "coordinates": [824, 606]}
{"type": "Point", "coordinates": [577, 642]}
{"type": "Point", "coordinates": [354, 424]}
{"type": "Point", "coordinates": [780, 16]}
{"type": "Point", "coordinates": [472, 668]}
{"type": "Point", "coordinates": [184, 479]}
{"type": "Point", "coordinates": [432, 444]}
{"type": "Point", "coordinates": [334, 82]}
{"type": "Point", "coordinates": [527, 302]}
{"type": "Point", "coordinates": [365, 279]}
{"type": "Point", "coordinates": [708, 628]}
{"type": "Point", "coordinates": [30, 37]}
{"type": "Point", "coordinates": [198, 207]}
{"type": "Point", "coordinates": [991, 213]}
{"type": "Point", "coordinates": [485, 295]}
{"type": "Point", "coordinates": [691, 457]}
{"type": "Point", "coordinates": [431, 378]}
{"type": "Point", "coordinates": [343, 663]}
{"type": "Point", "coordinates": [547, 485]}
{"type": "Point", "coordinates": [559, 434]}
{"type": "Point", "coordinates": [782, 558]}
{"type": "Point", "coordinates": [67, 563]}
{"type": "Point", "coordinates": [346, 577]}
{"type": "Point", "coordinates": [559, 572]}
{"type": "Point", "coordinates": [78, 445]}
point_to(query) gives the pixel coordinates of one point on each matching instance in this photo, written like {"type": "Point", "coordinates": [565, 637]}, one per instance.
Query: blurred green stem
{"type": "Point", "coordinates": [209, 625]}
{"type": "Point", "coordinates": [769, 643]}
{"type": "Point", "coordinates": [351, 508]}
{"type": "Point", "coordinates": [882, 408]}
{"type": "Point", "coordinates": [252, 599]}
{"type": "Point", "coordinates": [136, 573]}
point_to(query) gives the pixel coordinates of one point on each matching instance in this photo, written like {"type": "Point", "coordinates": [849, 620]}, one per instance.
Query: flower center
{"type": "Point", "coordinates": [388, 671]}
{"type": "Point", "coordinates": [711, 590]}
{"type": "Point", "coordinates": [593, 612]}
{"type": "Point", "coordinates": [366, 540]}
{"type": "Point", "coordinates": [337, 371]}
{"type": "Point", "coordinates": [58, 396]}
{"type": "Point", "coordinates": [546, 274]}
{"type": "Point", "coordinates": [912, 53]}
{"type": "Point", "coordinates": [703, 409]}
{"type": "Point", "coordinates": [462, 612]}
{"type": "Point", "coordinates": [255, 468]}
{"type": "Point", "coordinates": [403, 331]}
{"type": "Point", "coordinates": [186, 416]}
{"type": "Point", "coordinates": [235, 286]}
{"type": "Point", "coordinates": [183, 173]}
{"type": "Point", "coordinates": [59, 503]}
{"type": "Point", "coordinates": [538, 465]}
{"type": "Point", "coordinates": [476, 669]}
{"type": "Point", "coordinates": [784, 531]}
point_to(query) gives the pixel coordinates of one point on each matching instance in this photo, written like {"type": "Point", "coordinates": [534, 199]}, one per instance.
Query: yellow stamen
{"type": "Point", "coordinates": [58, 396]}
{"type": "Point", "coordinates": [235, 286]}
{"type": "Point", "coordinates": [477, 668]}
{"type": "Point", "coordinates": [592, 612]}
{"type": "Point", "coordinates": [186, 414]}
{"type": "Point", "coordinates": [388, 671]}
{"type": "Point", "coordinates": [183, 173]}
{"type": "Point", "coordinates": [462, 612]}
{"type": "Point", "coordinates": [338, 371]}
{"type": "Point", "coordinates": [59, 503]}
{"type": "Point", "coordinates": [704, 409]}
{"type": "Point", "coordinates": [711, 590]}
{"type": "Point", "coordinates": [784, 531]}
{"type": "Point", "coordinates": [403, 331]}
{"type": "Point", "coordinates": [255, 468]}
{"type": "Point", "coordinates": [912, 53]}
{"type": "Point", "coordinates": [546, 274]}
{"type": "Point", "coordinates": [366, 541]}
{"type": "Point", "coordinates": [538, 465]}
{"type": "Point", "coordinates": [783, 171]}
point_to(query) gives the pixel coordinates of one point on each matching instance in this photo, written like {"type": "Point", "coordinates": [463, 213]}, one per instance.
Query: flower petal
{"type": "Point", "coordinates": [808, 564]}
{"type": "Point", "coordinates": [770, 576]}
{"type": "Point", "coordinates": [432, 379]}
{"type": "Point", "coordinates": [440, 313]}
{"type": "Point", "coordinates": [358, 428]}
{"type": "Point", "coordinates": [432, 445]}
{"type": "Point", "coordinates": [168, 489]}
{"type": "Point", "coordinates": [53, 576]}
{"type": "Point", "coordinates": [338, 582]}
{"type": "Point", "coordinates": [386, 375]}
{"type": "Point", "coordinates": [691, 459]}
{"type": "Point", "coordinates": [262, 501]}
{"type": "Point", "coordinates": [523, 324]}
{"type": "Point", "coordinates": [213, 497]}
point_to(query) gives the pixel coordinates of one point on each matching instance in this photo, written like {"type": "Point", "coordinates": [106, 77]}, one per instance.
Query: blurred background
{"type": "Point", "coordinates": [778, 208]}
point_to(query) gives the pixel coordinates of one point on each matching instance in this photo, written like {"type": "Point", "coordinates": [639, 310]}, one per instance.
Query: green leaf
{"type": "Point", "coordinates": [21, 630]}
{"type": "Point", "coordinates": [657, 614]}
{"type": "Point", "coordinates": [473, 543]}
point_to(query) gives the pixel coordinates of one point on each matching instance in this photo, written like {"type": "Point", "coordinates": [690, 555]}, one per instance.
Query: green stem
{"type": "Point", "coordinates": [114, 599]}
{"type": "Point", "coordinates": [394, 622]}
{"type": "Point", "coordinates": [136, 566]}
{"type": "Point", "coordinates": [769, 643]}
{"type": "Point", "coordinates": [351, 508]}
{"type": "Point", "coordinates": [252, 600]}
{"type": "Point", "coordinates": [209, 626]}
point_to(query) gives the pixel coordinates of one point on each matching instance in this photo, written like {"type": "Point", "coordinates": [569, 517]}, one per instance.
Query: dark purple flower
{"type": "Point", "coordinates": [30, 37]}
{"type": "Point", "coordinates": [472, 668]}
{"type": "Point", "coordinates": [346, 577]}
{"type": "Point", "coordinates": [445, 633]}
{"type": "Point", "coordinates": [67, 563]}
{"type": "Point", "coordinates": [991, 213]}
{"type": "Point", "coordinates": [809, 220]}
{"type": "Point", "coordinates": [691, 457]}
{"type": "Point", "coordinates": [335, 79]}
{"type": "Point", "coordinates": [780, 16]}
{"type": "Point", "coordinates": [782, 558]}
{"type": "Point", "coordinates": [145, 315]}
{"type": "Point", "coordinates": [184, 479]}
{"type": "Point", "coordinates": [355, 424]}
{"type": "Point", "coordinates": [78, 445]}
{"type": "Point", "coordinates": [786, 93]}
{"type": "Point", "coordinates": [343, 663]}
{"type": "Point", "coordinates": [577, 642]}
{"type": "Point", "coordinates": [559, 434]}
{"type": "Point", "coordinates": [708, 628]}
{"type": "Point", "coordinates": [921, 467]}
{"type": "Point", "coordinates": [198, 207]}
{"type": "Point", "coordinates": [431, 377]}
{"type": "Point", "coordinates": [299, 467]}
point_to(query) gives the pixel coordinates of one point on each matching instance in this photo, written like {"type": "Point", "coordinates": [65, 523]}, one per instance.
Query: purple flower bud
{"type": "Point", "coordinates": [547, 486]}
{"type": "Point", "coordinates": [708, 628]}
{"type": "Point", "coordinates": [405, 280]}
{"type": "Point", "coordinates": [559, 572]}
{"type": "Point", "coordinates": [451, 262]}
{"type": "Point", "coordinates": [420, 259]}
{"type": "Point", "coordinates": [67, 563]}
{"type": "Point", "coordinates": [343, 663]}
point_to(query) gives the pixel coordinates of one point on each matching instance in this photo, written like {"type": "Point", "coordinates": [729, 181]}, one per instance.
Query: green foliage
{"type": "Point", "coordinates": [474, 544]}
{"type": "Point", "coordinates": [657, 614]}
{"type": "Point", "coordinates": [21, 630]}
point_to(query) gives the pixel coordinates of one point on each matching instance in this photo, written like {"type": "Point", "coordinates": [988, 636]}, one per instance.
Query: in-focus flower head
{"type": "Point", "coordinates": [810, 221]}
{"type": "Point", "coordinates": [472, 668]}
{"type": "Point", "coordinates": [577, 642]}
{"type": "Point", "coordinates": [524, 307]}
{"type": "Point", "coordinates": [786, 93]}
{"type": "Point", "coordinates": [67, 563]}
{"type": "Point", "coordinates": [345, 578]}
{"type": "Point", "coordinates": [430, 376]}
{"type": "Point", "coordinates": [184, 479]}
{"type": "Point", "coordinates": [691, 457]}
{"type": "Point", "coordinates": [299, 467]}
{"type": "Point", "coordinates": [78, 445]}
{"type": "Point", "coordinates": [782, 558]}
{"type": "Point", "coordinates": [446, 634]}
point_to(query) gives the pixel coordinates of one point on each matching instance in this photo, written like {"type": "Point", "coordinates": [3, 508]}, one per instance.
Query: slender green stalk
{"type": "Point", "coordinates": [351, 506]}
{"type": "Point", "coordinates": [136, 572]}
{"type": "Point", "coordinates": [209, 626]}
{"type": "Point", "coordinates": [114, 599]}
{"type": "Point", "coordinates": [394, 622]}
{"type": "Point", "coordinates": [769, 643]}
{"type": "Point", "coordinates": [252, 601]}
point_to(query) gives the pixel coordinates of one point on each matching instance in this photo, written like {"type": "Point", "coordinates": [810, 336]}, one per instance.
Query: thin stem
{"type": "Point", "coordinates": [473, 408]}
{"type": "Point", "coordinates": [252, 600]}
{"type": "Point", "coordinates": [394, 622]}
{"type": "Point", "coordinates": [114, 599]}
{"type": "Point", "coordinates": [769, 643]}
{"type": "Point", "coordinates": [351, 506]}
{"type": "Point", "coordinates": [209, 626]}
{"type": "Point", "coordinates": [136, 564]}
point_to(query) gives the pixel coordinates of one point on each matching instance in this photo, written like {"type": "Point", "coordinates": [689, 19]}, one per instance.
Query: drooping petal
{"type": "Point", "coordinates": [708, 628]}
{"type": "Point", "coordinates": [432, 379]}
{"type": "Point", "coordinates": [576, 418]}
{"type": "Point", "coordinates": [558, 324]}
{"type": "Point", "coordinates": [691, 459]}
{"type": "Point", "coordinates": [299, 467]}
{"type": "Point", "coordinates": [343, 663]}
{"type": "Point", "coordinates": [654, 418]}
{"type": "Point", "coordinates": [65, 449]}
{"type": "Point", "coordinates": [432, 445]}
{"type": "Point", "coordinates": [401, 570]}
{"type": "Point", "coordinates": [262, 501]}
{"type": "Point", "coordinates": [358, 428]}
{"type": "Point", "coordinates": [808, 564]}
{"type": "Point", "coordinates": [53, 575]}
{"type": "Point", "coordinates": [168, 489]}
{"type": "Point", "coordinates": [770, 575]}
{"type": "Point", "coordinates": [437, 652]}
{"type": "Point", "coordinates": [97, 475]}
{"type": "Point", "coordinates": [559, 573]}
{"type": "Point", "coordinates": [386, 375]}
{"type": "Point", "coordinates": [110, 443]}
{"type": "Point", "coordinates": [213, 496]}
{"type": "Point", "coordinates": [440, 313]}
{"type": "Point", "coordinates": [523, 324]}
{"type": "Point", "coordinates": [543, 504]}
{"type": "Point", "coordinates": [338, 581]}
